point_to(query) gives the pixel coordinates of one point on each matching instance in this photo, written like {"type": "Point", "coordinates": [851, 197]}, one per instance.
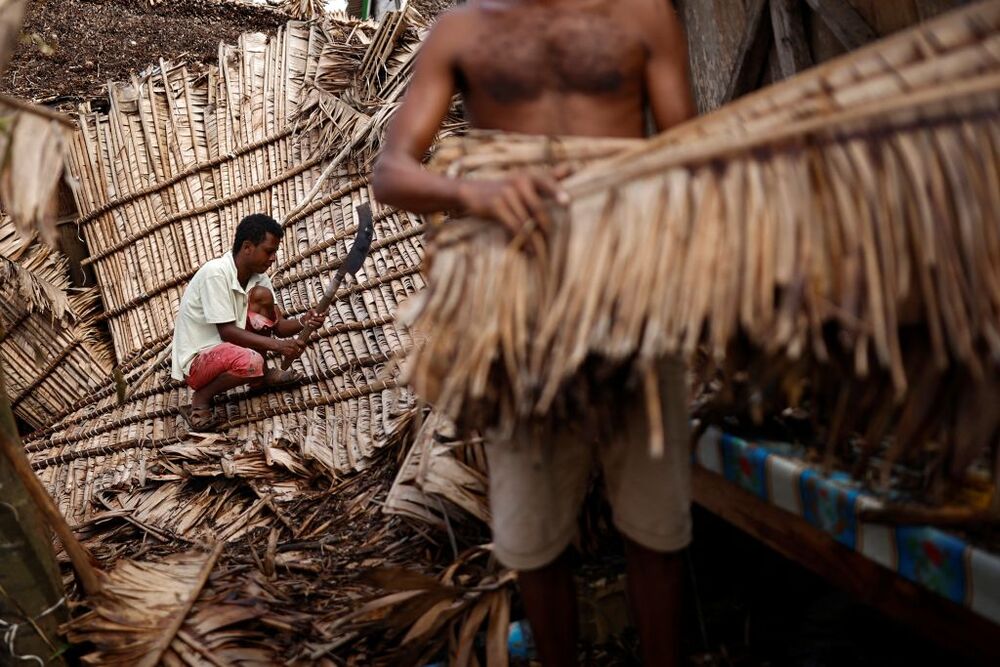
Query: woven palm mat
{"type": "Point", "coordinates": [193, 154]}
{"type": "Point", "coordinates": [48, 360]}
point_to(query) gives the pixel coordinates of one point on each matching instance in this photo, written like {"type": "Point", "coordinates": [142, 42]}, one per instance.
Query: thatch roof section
{"type": "Point", "coordinates": [165, 178]}
{"type": "Point", "coordinates": [51, 352]}
{"type": "Point", "coordinates": [439, 474]}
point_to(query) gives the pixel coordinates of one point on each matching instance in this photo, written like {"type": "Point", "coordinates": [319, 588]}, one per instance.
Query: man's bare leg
{"type": "Point", "coordinates": [550, 600]}
{"type": "Point", "coordinates": [224, 382]}
{"type": "Point", "coordinates": [654, 591]}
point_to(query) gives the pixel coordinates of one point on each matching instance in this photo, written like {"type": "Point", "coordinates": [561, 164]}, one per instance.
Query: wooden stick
{"type": "Point", "coordinates": [37, 109]}
{"type": "Point", "coordinates": [790, 37]}
{"type": "Point", "coordinates": [752, 53]}
{"type": "Point", "coordinates": [844, 22]}
{"type": "Point", "coordinates": [10, 444]}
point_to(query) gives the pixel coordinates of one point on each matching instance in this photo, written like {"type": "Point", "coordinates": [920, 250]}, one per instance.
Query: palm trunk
{"type": "Point", "coordinates": [30, 584]}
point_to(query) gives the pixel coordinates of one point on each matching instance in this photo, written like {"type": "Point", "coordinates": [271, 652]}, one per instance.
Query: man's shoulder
{"type": "Point", "coordinates": [218, 266]}
{"type": "Point", "coordinates": [261, 279]}
{"type": "Point", "coordinates": [456, 20]}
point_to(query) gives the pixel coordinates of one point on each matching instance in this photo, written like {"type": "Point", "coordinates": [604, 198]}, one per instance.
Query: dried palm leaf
{"type": "Point", "coordinates": [33, 147]}
{"type": "Point", "coordinates": [142, 607]}
{"type": "Point", "coordinates": [215, 632]}
{"type": "Point", "coordinates": [438, 475]}
{"type": "Point", "coordinates": [33, 292]}
{"type": "Point", "coordinates": [422, 615]}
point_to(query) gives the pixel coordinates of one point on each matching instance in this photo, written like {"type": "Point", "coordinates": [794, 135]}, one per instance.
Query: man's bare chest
{"type": "Point", "coordinates": [522, 56]}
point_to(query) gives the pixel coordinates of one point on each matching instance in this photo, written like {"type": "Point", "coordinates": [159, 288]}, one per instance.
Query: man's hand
{"type": "Point", "coordinates": [312, 318]}
{"type": "Point", "coordinates": [514, 202]}
{"type": "Point", "coordinates": [290, 348]}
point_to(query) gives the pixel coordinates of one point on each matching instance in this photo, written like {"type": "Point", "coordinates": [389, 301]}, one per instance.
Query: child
{"type": "Point", "coordinates": [261, 313]}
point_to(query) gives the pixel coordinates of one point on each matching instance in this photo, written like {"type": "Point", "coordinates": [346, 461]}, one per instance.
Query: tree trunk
{"type": "Point", "coordinates": [30, 584]}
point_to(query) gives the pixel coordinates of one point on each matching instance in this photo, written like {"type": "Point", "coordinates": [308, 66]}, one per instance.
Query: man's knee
{"type": "Point", "coordinates": [254, 361]}
{"type": "Point", "coordinates": [241, 361]}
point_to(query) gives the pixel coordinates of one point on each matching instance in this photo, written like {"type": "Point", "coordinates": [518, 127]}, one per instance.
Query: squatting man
{"type": "Point", "coordinates": [227, 322]}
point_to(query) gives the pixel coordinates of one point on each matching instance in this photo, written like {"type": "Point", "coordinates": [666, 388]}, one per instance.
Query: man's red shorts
{"type": "Point", "coordinates": [224, 358]}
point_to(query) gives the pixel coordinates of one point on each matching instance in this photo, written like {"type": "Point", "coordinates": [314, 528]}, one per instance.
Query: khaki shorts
{"type": "Point", "coordinates": [536, 490]}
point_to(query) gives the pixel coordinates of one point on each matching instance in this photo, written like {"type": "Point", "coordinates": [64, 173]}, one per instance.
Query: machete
{"type": "Point", "coordinates": [355, 258]}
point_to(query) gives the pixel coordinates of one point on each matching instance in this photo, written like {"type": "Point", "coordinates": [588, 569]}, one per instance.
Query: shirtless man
{"type": "Point", "coordinates": [556, 67]}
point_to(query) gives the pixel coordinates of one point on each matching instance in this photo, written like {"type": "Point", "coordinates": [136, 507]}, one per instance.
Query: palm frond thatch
{"type": "Point", "coordinates": [34, 146]}
{"type": "Point", "coordinates": [165, 176]}
{"type": "Point", "coordinates": [49, 344]}
{"type": "Point", "coordinates": [303, 9]}
{"type": "Point", "coordinates": [33, 292]}
{"type": "Point", "coordinates": [142, 608]}
{"type": "Point", "coordinates": [862, 216]}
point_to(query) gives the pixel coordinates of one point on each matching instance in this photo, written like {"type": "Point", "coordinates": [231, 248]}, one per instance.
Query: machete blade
{"type": "Point", "coordinates": [362, 242]}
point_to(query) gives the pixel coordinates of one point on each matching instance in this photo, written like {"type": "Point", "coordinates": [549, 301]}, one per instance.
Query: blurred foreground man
{"type": "Point", "coordinates": [559, 67]}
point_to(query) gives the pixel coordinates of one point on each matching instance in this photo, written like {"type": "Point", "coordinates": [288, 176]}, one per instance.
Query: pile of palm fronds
{"type": "Point", "coordinates": [236, 554]}
{"type": "Point", "coordinates": [304, 9]}
{"type": "Point", "coordinates": [845, 218]}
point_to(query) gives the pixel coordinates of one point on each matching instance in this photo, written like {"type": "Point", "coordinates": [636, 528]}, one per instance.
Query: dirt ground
{"type": "Point", "coordinates": [70, 49]}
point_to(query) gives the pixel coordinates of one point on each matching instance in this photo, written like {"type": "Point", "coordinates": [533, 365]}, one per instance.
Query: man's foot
{"type": "Point", "coordinates": [200, 418]}
{"type": "Point", "coordinates": [275, 377]}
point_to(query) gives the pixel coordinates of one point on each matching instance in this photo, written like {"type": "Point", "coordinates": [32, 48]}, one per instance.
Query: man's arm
{"type": "Point", "coordinates": [284, 327]}
{"type": "Point", "coordinates": [667, 80]}
{"type": "Point", "coordinates": [230, 333]}
{"type": "Point", "coordinates": [400, 179]}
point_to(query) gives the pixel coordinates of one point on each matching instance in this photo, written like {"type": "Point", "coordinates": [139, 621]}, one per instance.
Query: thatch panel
{"type": "Point", "coordinates": [213, 149]}
{"type": "Point", "coordinates": [194, 155]}
{"type": "Point", "coordinates": [49, 360]}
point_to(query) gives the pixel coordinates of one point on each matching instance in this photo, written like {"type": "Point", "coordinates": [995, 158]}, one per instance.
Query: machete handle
{"type": "Point", "coordinates": [328, 296]}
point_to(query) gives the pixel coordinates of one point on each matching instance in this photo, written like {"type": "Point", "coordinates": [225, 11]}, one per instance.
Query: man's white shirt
{"type": "Point", "coordinates": [214, 296]}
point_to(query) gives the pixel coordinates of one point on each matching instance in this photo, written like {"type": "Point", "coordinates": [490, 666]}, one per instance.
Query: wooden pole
{"type": "Point", "coordinates": [790, 37]}
{"type": "Point", "coordinates": [15, 460]}
{"type": "Point", "coordinates": [751, 55]}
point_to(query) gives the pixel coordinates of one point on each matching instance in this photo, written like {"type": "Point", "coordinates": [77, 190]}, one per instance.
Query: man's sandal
{"type": "Point", "coordinates": [200, 418]}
